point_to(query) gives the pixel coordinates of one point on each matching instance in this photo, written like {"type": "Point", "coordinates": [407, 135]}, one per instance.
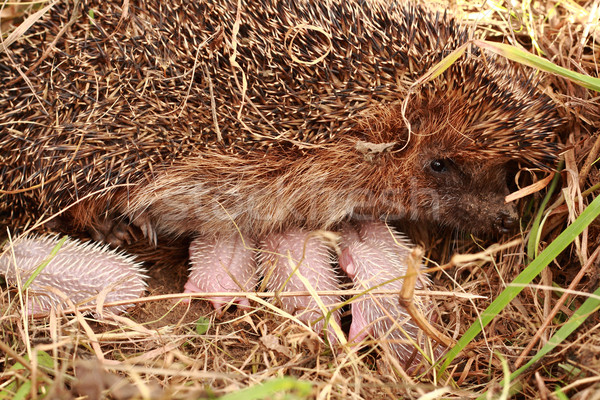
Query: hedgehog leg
{"type": "Point", "coordinates": [295, 252]}
{"type": "Point", "coordinates": [118, 230]}
{"type": "Point", "coordinates": [222, 265]}
{"type": "Point", "coordinates": [114, 231]}
{"type": "Point", "coordinates": [103, 221]}
{"type": "Point", "coordinates": [375, 255]}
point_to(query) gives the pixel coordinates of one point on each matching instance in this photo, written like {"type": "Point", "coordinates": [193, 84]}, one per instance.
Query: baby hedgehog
{"type": "Point", "coordinates": [251, 125]}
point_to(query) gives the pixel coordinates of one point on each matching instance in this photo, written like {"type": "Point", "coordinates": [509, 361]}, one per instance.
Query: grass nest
{"type": "Point", "coordinates": [522, 308]}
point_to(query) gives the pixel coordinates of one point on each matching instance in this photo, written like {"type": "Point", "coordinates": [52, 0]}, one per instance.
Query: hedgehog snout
{"type": "Point", "coordinates": [506, 221]}
{"type": "Point", "coordinates": [481, 212]}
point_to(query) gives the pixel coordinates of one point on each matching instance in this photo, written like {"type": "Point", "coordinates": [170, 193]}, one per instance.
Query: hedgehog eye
{"type": "Point", "coordinates": [438, 165]}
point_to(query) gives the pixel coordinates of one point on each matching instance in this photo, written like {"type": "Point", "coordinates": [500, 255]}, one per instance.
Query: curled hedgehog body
{"type": "Point", "coordinates": [211, 120]}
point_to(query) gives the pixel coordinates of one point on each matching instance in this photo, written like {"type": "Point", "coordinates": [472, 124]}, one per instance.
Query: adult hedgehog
{"type": "Point", "coordinates": [253, 124]}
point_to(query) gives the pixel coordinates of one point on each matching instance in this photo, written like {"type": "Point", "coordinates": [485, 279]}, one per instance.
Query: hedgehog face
{"type": "Point", "coordinates": [453, 163]}
{"type": "Point", "coordinates": [443, 174]}
{"type": "Point", "coordinates": [461, 193]}
{"type": "Point", "coordinates": [473, 194]}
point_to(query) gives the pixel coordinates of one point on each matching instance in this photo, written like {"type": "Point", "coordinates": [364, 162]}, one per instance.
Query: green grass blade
{"type": "Point", "coordinates": [532, 245]}
{"type": "Point", "coordinates": [523, 57]}
{"type": "Point", "coordinates": [550, 253]}
{"type": "Point", "coordinates": [560, 395]}
{"type": "Point", "coordinates": [270, 388]}
{"type": "Point", "coordinates": [44, 263]}
{"type": "Point", "coordinates": [23, 391]}
{"type": "Point", "coordinates": [443, 65]}
{"type": "Point", "coordinates": [589, 307]}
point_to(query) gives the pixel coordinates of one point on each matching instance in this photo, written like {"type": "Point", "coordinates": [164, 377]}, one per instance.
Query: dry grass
{"type": "Point", "coordinates": [165, 349]}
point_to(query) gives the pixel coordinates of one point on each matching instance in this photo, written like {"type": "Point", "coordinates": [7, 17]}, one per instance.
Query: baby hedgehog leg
{"type": "Point", "coordinates": [375, 255]}
{"type": "Point", "coordinates": [222, 265]}
{"type": "Point", "coordinates": [287, 255]}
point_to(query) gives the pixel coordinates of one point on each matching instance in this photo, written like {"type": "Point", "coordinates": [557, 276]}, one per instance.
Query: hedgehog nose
{"type": "Point", "coordinates": [505, 222]}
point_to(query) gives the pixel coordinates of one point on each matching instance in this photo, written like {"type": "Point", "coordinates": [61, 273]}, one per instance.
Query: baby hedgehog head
{"type": "Point", "coordinates": [79, 272]}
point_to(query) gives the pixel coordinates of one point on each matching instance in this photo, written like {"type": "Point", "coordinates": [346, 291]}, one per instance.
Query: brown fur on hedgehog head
{"type": "Point", "coordinates": [466, 135]}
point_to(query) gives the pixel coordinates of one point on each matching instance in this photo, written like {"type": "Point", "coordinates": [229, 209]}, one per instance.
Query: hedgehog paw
{"type": "Point", "coordinates": [145, 224]}
{"type": "Point", "coordinates": [219, 265]}
{"type": "Point", "coordinates": [116, 232]}
{"type": "Point", "coordinates": [293, 261]}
